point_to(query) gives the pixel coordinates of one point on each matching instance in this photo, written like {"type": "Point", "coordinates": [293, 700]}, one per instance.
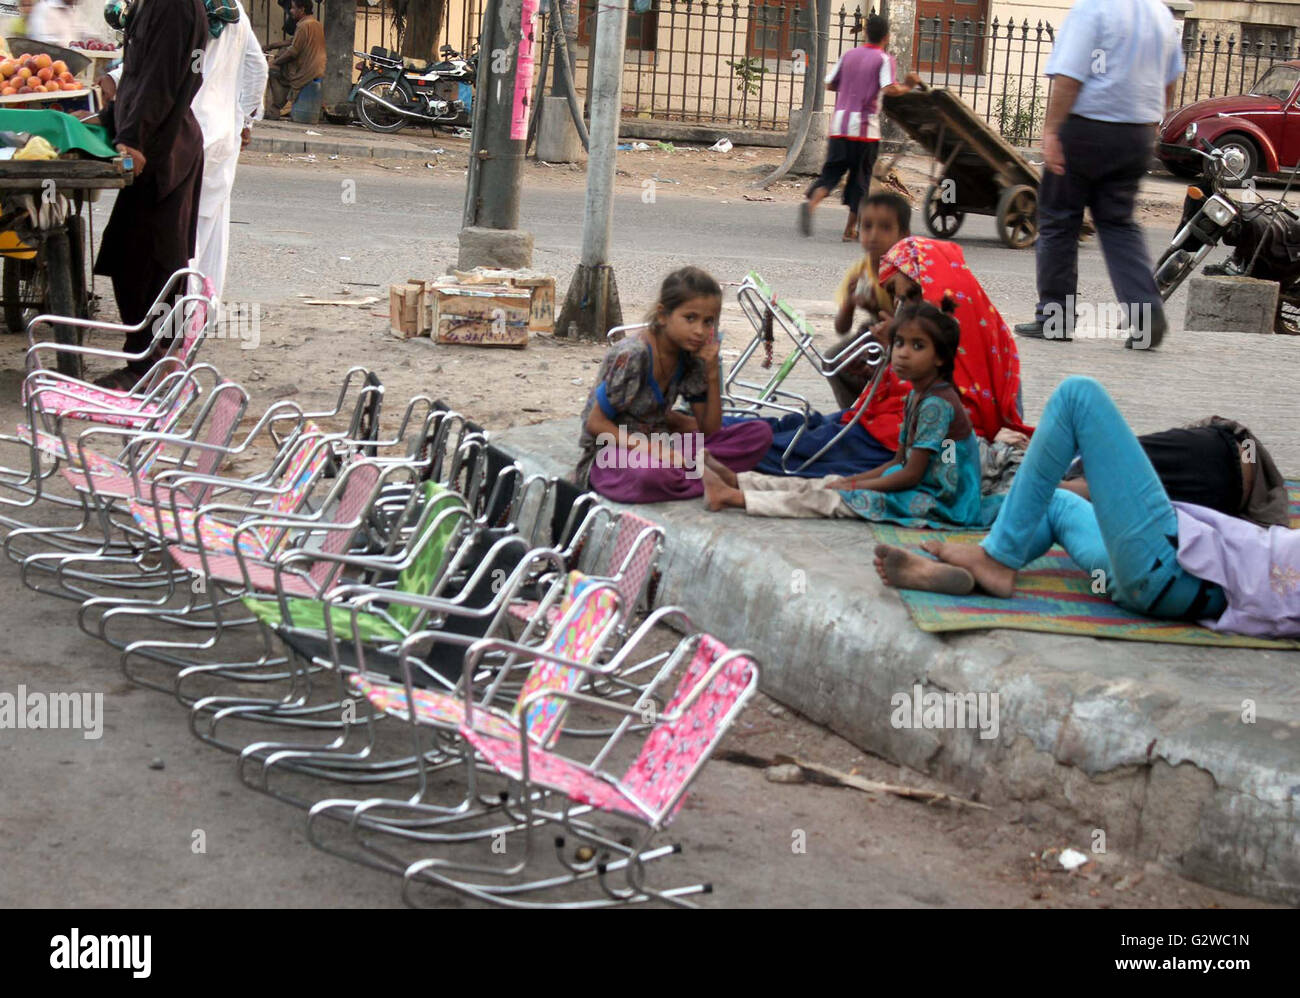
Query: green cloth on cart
{"type": "Point", "coordinates": [61, 130]}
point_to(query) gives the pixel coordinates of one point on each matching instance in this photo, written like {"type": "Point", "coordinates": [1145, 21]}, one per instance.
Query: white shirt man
{"type": "Point", "coordinates": [234, 80]}
{"type": "Point", "coordinates": [55, 22]}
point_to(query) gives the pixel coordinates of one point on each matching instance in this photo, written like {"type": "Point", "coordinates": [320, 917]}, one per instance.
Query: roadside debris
{"type": "Point", "coordinates": [368, 300]}
{"type": "Point", "coordinates": [722, 145]}
{"type": "Point", "coordinates": [814, 772]}
{"type": "Point", "coordinates": [763, 197]}
{"type": "Point", "coordinates": [1072, 859]}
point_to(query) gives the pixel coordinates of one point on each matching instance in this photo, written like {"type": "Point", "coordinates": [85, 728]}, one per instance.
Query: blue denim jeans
{"type": "Point", "coordinates": [1129, 531]}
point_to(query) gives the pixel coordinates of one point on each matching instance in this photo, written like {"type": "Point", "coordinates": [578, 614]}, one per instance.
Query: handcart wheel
{"type": "Point", "coordinates": [24, 291]}
{"type": "Point", "coordinates": [941, 218]}
{"type": "Point", "coordinates": [1018, 216]}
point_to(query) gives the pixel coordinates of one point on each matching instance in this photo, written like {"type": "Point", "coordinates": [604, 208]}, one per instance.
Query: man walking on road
{"type": "Point", "coordinates": [858, 79]}
{"type": "Point", "coordinates": [1113, 71]}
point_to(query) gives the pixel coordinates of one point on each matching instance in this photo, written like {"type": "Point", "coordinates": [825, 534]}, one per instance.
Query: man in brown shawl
{"type": "Point", "coordinates": [150, 234]}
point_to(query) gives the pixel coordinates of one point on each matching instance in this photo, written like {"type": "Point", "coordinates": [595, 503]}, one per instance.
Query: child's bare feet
{"type": "Point", "coordinates": [720, 469]}
{"type": "Point", "coordinates": [717, 493]}
{"type": "Point", "coordinates": [991, 576]}
{"type": "Point", "coordinates": [905, 570]}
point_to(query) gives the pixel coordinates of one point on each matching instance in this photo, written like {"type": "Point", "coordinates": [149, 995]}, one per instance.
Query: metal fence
{"type": "Point", "coordinates": [740, 64]}
{"type": "Point", "coordinates": [1217, 68]}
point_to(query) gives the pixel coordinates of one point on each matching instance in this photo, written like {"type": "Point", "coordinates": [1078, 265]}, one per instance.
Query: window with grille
{"type": "Point", "coordinates": [642, 29]}
{"type": "Point", "coordinates": [1266, 39]}
{"type": "Point", "coordinates": [776, 29]}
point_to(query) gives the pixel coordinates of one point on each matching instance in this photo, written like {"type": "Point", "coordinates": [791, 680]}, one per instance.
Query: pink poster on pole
{"type": "Point", "coordinates": [524, 72]}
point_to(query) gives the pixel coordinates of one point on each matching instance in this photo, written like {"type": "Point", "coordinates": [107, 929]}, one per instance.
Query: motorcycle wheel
{"type": "Point", "coordinates": [376, 117]}
{"type": "Point", "coordinates": [1170, 273]}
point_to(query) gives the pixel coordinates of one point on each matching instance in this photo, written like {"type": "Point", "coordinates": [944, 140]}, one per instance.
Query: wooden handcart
{"type": "Point", "coordinates": [47, 260]}
{"type": "Point", "coordinates": [977, 171]}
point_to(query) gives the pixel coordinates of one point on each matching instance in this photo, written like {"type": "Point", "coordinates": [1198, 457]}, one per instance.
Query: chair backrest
{"type": "Point", "coordinates": [632, 557]}
{"type": "Point", "coordinates": [224, 410]}
{"type": "Point", "coordinates": [196, 323]}
{"type": "Point", "coordinates": [676, 749]}
{"type": "Point", "coordinates": [424, 569]}
{"type": "Point", "coordinates": [311, 452]}
{"type": "Point", "coordinates": [362, 477]}
{"type": "Point", "coordinates": [576, 636]}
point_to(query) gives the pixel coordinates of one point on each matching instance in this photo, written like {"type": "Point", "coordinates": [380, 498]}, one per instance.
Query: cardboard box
{"type": "Point", "coordinates": [541, 289]}
{"type": "Point", "coordinates": [481, 315]}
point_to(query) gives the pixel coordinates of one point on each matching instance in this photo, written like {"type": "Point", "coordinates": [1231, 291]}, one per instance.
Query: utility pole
{"type": "Point", "coordinates": [340, 31]}
{"type": "Point", "coordinates": [591, 307]}
{"type": "Point", "coordinates": [491, 236]}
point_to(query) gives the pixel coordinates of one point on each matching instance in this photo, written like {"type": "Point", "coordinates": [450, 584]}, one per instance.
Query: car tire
{"type": "Point", "coordinates": [1248, 150]}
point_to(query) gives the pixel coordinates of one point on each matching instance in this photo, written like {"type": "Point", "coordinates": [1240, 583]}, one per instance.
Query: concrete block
{"type": "Point", "coordinates": [510, 249]}
{"type": "Point", "coordinates": [1230, 304]}
{"type": "Point", "coordinates": [557, 136]}
{"type": "Point", "coordinates": [813, 154]}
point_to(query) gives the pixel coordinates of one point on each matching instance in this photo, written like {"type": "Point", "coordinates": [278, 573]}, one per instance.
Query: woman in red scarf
{"type": "Point", "coordinates": [987, 373]}
{"type": "Point", "coordinates": [988, 364]}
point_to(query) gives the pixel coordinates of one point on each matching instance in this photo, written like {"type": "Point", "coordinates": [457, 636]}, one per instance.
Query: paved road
{"type": "Point", "coordinates": [295, 227]}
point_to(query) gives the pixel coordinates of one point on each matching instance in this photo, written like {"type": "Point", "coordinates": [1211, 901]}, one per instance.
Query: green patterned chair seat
{"type": "Point", "coordinates": [306, 614]}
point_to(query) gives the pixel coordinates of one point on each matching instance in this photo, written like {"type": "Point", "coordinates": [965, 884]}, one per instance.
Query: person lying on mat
{"type": "Point", "coordinates": [1171, 560]}
{"type": "Point", "coordinates": [933, 478]}
{"type": "Point", "coordinates": [635, 446]}
{"type": "Point", "coordinates": [1217, 463]}
{"type": "Point", "coordinates": [987, 373]}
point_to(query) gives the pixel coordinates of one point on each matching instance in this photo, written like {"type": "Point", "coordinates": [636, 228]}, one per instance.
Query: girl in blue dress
{"type": "Point", "coordinates": [933, 480]}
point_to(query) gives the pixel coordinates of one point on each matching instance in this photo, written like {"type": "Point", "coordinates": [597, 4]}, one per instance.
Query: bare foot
{"type": "Point", "coordinates": [993, 577]}
{"type": "Point", "coordinates": [717, 493]}
{"type": "Point", "coordinates": [720, 469]}
{"type": "Point", "coordinates": [905, 570]}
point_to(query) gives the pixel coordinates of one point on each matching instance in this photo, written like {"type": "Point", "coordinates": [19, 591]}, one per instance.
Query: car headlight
{"type": "Point", "coordinates": [1189, 133]}
{"type": "Point", "coordinates": [1217, 211]}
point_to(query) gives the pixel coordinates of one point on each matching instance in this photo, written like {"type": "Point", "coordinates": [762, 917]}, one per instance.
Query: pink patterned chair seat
{"type": "Point", "coordinates": [224, 567]}
{"type": "Point", "coordinates": [527, 609]}
{"type": "Point", "coordinates": [93, 403]}
{"type": "Point", "coordinates": [217, 536]}
{"type": "Point", "coordinates": [668, 758]}
{"type": "Point", "coordinates": [555, 772]}
{"type": "Point", "coordinates": [432, 707]}
{"type": "Point", "coordinates": [110, 479]}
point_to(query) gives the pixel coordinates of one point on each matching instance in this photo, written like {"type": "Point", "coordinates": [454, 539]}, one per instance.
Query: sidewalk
{"type": "Point", "coordinates": [324, 140]}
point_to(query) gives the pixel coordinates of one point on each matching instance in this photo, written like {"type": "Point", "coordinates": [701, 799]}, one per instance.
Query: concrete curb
{"type": "Point", "coordinates": [1145, 741]}
{"type": "Point", "coordinates": [329, 147]}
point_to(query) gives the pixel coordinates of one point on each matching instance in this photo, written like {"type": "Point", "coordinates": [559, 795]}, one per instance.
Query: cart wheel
{"type": "Point", "coordinates": [63, 296]}
{"type": "Point", "coordinates": [24, 292]}
{"type": "Point", "coordinates": [941, 218]}
{"type": "Point", "coordinates": [1018, 216]}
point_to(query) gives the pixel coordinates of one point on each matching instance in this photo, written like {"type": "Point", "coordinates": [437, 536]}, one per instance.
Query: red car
{"type": "Point", "coordinates": [1264, 125]}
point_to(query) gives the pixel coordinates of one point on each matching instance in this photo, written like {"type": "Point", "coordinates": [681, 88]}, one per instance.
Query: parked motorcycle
{"type": "Point", "coordinates": [1264, 235]}
{"type": "Point", "coordinates": [390, 95]}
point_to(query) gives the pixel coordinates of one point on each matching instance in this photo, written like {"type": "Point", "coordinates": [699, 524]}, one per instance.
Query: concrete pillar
{"type": "Point", "coordinates": [813, 154]}
{"type": "Point", "coordinates": [902, 45]}
{"type": "Point", "coordinates": [510, 249]}
{"type": "Point", "coordinates": [557, 137]}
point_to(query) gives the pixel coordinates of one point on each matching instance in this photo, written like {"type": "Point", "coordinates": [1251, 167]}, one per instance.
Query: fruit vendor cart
{"type": "Point", "coordinates": [45, 221]}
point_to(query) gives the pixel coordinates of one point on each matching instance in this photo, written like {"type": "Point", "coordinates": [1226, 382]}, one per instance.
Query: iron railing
{"type": "Point", "coordinates": [740, 63]}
